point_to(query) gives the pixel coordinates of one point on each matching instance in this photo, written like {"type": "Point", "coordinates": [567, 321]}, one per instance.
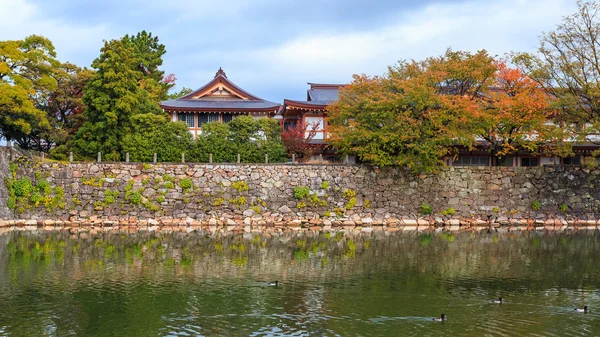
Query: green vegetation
{"type": "Point", "coordinates": [301, 192]}
{"type": "Point", "coordinates": [536, 205]}
{"type": "Point", "coordinates": [325, 185]}
{"type": "Point", "coordinates": [240, 186]}
{"type": "Point", "coordinates": [110, 196]}
{"type": "Point", "coordinates": [426, 209]}
{"type": "Point", "coordinates": [185, 184]}
{"type": "Point", "coordinates": [563, 207]}
{"type": "Point", "coordinates": [450, 211]}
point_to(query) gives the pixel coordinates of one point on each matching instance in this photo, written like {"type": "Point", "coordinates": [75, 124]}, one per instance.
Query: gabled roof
{"type": "Point", "coordinates": [317, 97]}
{"type": "Point", "coordinates": [220, 94]}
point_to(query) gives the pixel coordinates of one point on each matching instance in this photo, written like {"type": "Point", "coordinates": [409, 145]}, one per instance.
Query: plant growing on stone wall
{"type": "Point", "coordinates": [367, 203]}
{"type": "Point", "coordinates": [239, 201]}
{"type": "Point", "coordinates": [325, 185]}
{"type": "Point", "coordinates": [160, 199]}
{"type": "Point", "coordinates": [75, 200]}
{"type": "Point", "coordinates": [145, 181]}
{"type": "Point", "coordinates": [301, 205]}
{"type": "Point", "coordinates": [351, 203]}
{"type": "Point", "coordinates": [563, 207]}
{"type": "Point", "coordinates": [536, 205]}
{"type": "Point", "coordinates": [240, 186]}
{"type": "Point", "coordinates": [449, 211]}
{"type": "Point", "coordinates": [92, 181]}
{"type": "Point", "coordinates": [348, 194]}
{"type": "Point", "coordinates": [339, 212]}
{"type": "Point", "coordinates": [146, 166]}
{"type": "Point", "coordinates": [426, 209]}
{"type": "Point", "coordinates": [218, 202]}
{"type": "Point", "coordinates": [495, 209]}
{"type": "Point", "coordinates": [134, 197]}
{"type": "Point", "coordinates": [185, 184]}
{"type": "Point", "coordinates": [327, 213]}
{"type": "Point", "coordinates": [43, 186]}
{"type": "Point", "coordinates": [110, 196]}
{"type": "Point", "coordinates": [256, 209]}
{"type": "Point", "coordinates": [22, 187]}
{"type": "Point", "coordinates": [301, 192]}
{"type": "Point", "coordinates": [169, 185]}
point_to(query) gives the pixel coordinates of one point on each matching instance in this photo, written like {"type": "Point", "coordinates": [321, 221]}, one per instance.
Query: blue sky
{"type": "Point", "coordinates": [273, 47]}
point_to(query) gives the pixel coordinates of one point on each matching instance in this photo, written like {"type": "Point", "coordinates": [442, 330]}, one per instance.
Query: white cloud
{"type": "Point", "coordinates": [75, 43]}
{"type": "Point", "coordinates": [499, 26]}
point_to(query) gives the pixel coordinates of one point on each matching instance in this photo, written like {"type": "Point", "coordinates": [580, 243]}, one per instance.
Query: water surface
{"type": "Point", "coordinates": [149, 284]}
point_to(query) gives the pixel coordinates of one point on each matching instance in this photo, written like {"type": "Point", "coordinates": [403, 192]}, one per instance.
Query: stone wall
{"type": "Point", "coordinates": [4, 173]}
{"type": "Point", "coordinates": [265, 195]}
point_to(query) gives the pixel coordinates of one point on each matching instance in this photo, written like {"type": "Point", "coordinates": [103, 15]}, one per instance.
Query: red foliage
{"type": "Point", "coordinates": [296, 139]}
{"type": "Point", "coordinates": [169, 79]}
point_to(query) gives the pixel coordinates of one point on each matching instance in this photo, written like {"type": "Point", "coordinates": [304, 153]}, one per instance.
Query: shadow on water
{"type": "Point", "coordinates": [152, 284]}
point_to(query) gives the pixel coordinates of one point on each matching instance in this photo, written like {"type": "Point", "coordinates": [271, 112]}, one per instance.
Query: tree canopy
{"type": "Point", "coordinates": [126, 83]}
{"type": "Point", "coordinates": [26, 74]}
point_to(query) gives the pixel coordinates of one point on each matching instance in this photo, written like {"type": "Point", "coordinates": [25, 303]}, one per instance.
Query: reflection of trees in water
{"type": "Point", "coordinates": [30, 255]}
{"type": "Point", "coordinates": [136, 280]}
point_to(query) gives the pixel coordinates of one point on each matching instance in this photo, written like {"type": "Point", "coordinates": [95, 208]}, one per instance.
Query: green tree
{"type": "Point", "coordinates": [408, 117]}
{"type": "Point", "coordinates": [126, 83]}
{"type": "Point", "coordinates": [567, 67]}
{"type": "Point", "coordinates": [156, 134]}
{"type": "Point", "coordinates": [184, 91]}
{"type": "Point", "coordinates": [26, 69]}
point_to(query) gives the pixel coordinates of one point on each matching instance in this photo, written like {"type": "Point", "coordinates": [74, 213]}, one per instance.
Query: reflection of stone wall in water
{"type": "Point", "coordinates": [270, 194]}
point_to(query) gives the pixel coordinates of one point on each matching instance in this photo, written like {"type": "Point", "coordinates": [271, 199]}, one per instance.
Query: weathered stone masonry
{"type": "Point", "coordinates": [112, 194]}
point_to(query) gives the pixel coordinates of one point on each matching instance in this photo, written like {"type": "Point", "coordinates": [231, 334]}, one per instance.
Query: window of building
{"type": "Point", "coordinates": [571, 161]}
{"type": "Point", "coordinates": [188, 118]}
{"type": "Point", "coordinates": [530, 161]}
{"type": "Point", "coordinates": [227, 117]}
{"type": "Point", "coordinates": [504, 161]}
{"type": "Point", "coordinates": [207, 117]}
{"type": "Point", "coordinates": [471, 161]}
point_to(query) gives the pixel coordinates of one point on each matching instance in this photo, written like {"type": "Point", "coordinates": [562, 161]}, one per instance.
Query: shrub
{"type": "Point", "coordinates": [426, 209]}
{"type": "Point", "coordinates": [44, 186]}
{"type": "Point", "coordinates": [536, 205]}
{"type": "Point", "coordinates": [301, 192]}
{"type": "Point", "coordinates": [349, 194]}
{"type": "Point", "coordinates": [218, 202]}
{"type": "Point", "coordinates": [563, 207]}
{"type": "Point", "coordinates": [240, 186]}
{"type": "Point", "coordinates": [160, 199]}
{"type": "Point", "coordinates": [22, 187]}
{"type": "Point", "coordinates": [169, 185]}
{"type": "Point", "coordinates": [185, 183]}
{"type": "Point", "coordinates": [450, 211]}
{"type": "Point", "coordinates": [351, 203]}
{"type": "Point", "coordinates": [135, 197]}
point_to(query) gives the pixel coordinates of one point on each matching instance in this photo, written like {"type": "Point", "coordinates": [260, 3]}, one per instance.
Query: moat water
{"type": "Point", "coordinates": [145, 284]}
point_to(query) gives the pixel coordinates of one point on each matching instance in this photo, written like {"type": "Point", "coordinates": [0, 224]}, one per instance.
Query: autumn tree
{"type": "Point", "coordinates": [127, 82]}
{"type": "Point", "coordinates": [414, 115]}
{"type": "Point", "coordinates": [26, 69]}
{"type": "Point", "coordinates": [510, 115]}
{"type": "Point", "coordinates": [297, 140]}
{"type": "Point", "coordinates": [567, 67]}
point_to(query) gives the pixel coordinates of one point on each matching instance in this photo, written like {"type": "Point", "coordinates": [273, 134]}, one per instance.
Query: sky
{"type": "Point", "coordinates": [272, 48]}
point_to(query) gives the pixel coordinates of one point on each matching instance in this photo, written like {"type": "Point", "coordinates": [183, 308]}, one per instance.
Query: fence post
{"type": "Point", "coordinates": [238, 158]}
{"type": "Point", "coordinates": [154, 159]}
{"type": "Point", "coordinates": [320, 158]}
{"type": "Point", "coordinates": [210, 158]}
{"type": "Point", "coordinates": [70, 157]}
{"type": "Point", "coordinates": [10, 150]}
{"type": "Point", "coordinates": [183, 157]}
{"type": "Point", "coordinates": [293, 158]}
{"type": "Point", "coordinates": [346, 159]}
{"type": "Point", "coordinates": [99, 157]}
{"type": "Point", "coordinates": [127, 157]}
{"type": "Point", "coordinates": [43, 156]}
{"type": "Point", "coordinates": [266, 158]}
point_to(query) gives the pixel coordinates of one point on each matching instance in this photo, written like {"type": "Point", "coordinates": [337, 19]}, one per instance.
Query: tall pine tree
{"type": "Point", "coordinates": [127, 82]}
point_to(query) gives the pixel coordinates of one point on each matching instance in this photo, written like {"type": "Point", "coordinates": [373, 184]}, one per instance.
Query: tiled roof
{"type": "Point", "coordinates": [199, 104]}
{"type": "Point", "coordinates": [189, 102]}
